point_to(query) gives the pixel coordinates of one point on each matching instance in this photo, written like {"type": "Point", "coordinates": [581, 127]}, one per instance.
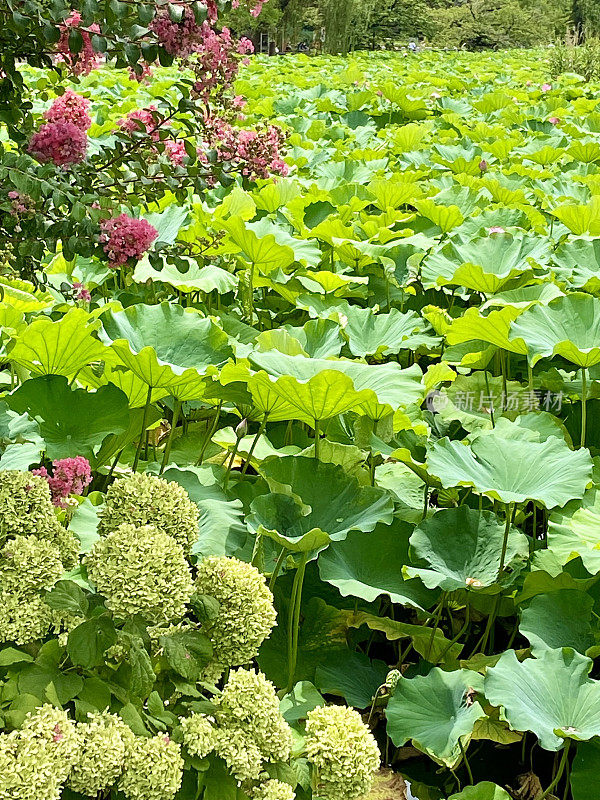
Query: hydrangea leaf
{"type": "Point", "coordinates": [461, 549]}
{"type": "Point", "coordinates": [434, 712]}
{"type": "Point", "coordinates": [552, 696]}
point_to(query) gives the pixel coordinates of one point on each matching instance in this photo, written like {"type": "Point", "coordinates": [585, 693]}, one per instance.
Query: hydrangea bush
{"type": "Point", "coordinates": [143, 653]}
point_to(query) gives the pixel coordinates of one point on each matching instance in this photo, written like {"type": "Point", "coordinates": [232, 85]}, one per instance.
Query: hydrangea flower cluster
{"type": "Point", "coordinates": [61, 142]}
{"type": "Point", "coordinates": [142, 499]}
{"type": "Point", "coordinates": [35, 761]}
{"type": "Point", "coordinates": [141, 570]}
{"type": "Point", "coordinates": [69, 476]}
{"type": "Point", "coordinates": [153, 769]}
{"type": "Point", "coordinates": [343, 752]}
{"type": "Point", "coordinates": [246, 614]}
{"type": "Point", "coordinates": [70, 107]}
{"type": "Point", "coordinates": [125, 238]}
{"type": "Point", "coordinates": [104, 744]}
{"type": "Point", "coordinates": [256, 154]}
{"type": "Point", "coordinates": [274, 790]}
{"type": "Point", "coordinates": [34, 552]}
{"type": "Point", "coordinates": [247, 729]}
{"type": "Point", "coordinates": [87, 59]}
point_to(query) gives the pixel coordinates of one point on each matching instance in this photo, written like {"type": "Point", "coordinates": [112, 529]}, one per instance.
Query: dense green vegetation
{"type": "Point", "coordinates": [298, 422]}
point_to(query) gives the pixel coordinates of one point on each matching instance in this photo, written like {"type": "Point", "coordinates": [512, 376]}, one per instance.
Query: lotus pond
{"type": "Point", "coordinates": [370, 388]}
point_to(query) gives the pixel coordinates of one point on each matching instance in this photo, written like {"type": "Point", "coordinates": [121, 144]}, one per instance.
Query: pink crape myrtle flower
{"type": "Point", "coordinates": [69, 476]}
{"type": "Point", "coordinates": [175, 150]}
{"type": "Point", "coordinates": [61, 142]}
{"type": "Point", "coordinates": [125, 238]}
{"type": "Point", "coordinates": [140, 120]}
{"type": "Point", "coordinates": [87, 59]}
{"type": "Point", "coordinates": [70, 107]}
{"type": "Point", "coordinates": [81, 292]}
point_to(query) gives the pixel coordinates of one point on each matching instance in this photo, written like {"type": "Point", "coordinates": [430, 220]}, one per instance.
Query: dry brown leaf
{"type": "Point", "coordinates": [530, 788]}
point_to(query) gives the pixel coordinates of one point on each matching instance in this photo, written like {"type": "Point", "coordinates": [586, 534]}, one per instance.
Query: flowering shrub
{"type": "Point", "coordinates": [70, 107]}
{"type": "Point", "coordinates": [83, 60]}
{"type": "Point", "coordinates": [61, 142]}
{"type": "Point", "coordinates": [69, 476]}
{"type": "Point", "coordinates": [125, 239]}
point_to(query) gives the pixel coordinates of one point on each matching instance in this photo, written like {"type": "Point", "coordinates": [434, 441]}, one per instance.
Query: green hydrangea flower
{"type": "Point", "coordinates": [26, 510]}
{"type": "Point", "coordinates": [246, 614]}
{"type": "Point", "coordinates": [343, 752]}
{"type": "Point", "coordinates": [104, 742]}
{"type": "Point", "coordinates": [239, 752]}
{"type": "Point", "coordinates": [29, 564]}
{"type": "Point", "coordinates": [24, 617]}
{"type": "Point", "coordinates": [27, 768]}
{"type": "Point", "coordinates": [153, 769]}
{"type": "Point", "coordinates": [58, 733]}
{"type": "Point", "coordinates": [198, 735]}
{"type": "Point", "coordinates": [141, 571]}
{"type": "Point", "coordinates": [141, 499]}
{"type": "Point", "coordinates": [249, 702]}
{"type": "Point", "coordinates": [274, 790]}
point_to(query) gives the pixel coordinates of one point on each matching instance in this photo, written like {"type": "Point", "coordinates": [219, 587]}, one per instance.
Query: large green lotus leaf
{"type": "Point", "coordinates": [493, 328]}
{"type": "Point", "coordinates": [318, 338]}
{"type": "Point", "coordinates": [445, 217]}
{"type": "Point", "coordinates": [166, 346]}
{"type": "Point", "coordinates": [389, 386]}
{"type": "Point", "coordinates": [472, 399]}
{"type": "Point", "coordinates": [577, 263]}
{"type": "Point", "coordinates": [486, 264]}
{"type": "Point", "coordinates": [461, 549]}
{"type": "Point", "coordinates": [72, 422]}
{"type": "Point", "coordinates": [325, 395]}
{"type": "Point", "coordinates": [352, 676]}
{"type": "Point", "coordinates": [552, 696]}
{"type": "Point", "coordinates": [12, 321]}
{"type": "Point", "coordinates": [433, 710]}
{"type": "Point", "coordinates": [580, 218]}
{"type": "Point", "coordinates": [323, 499]}
{"type": "Point", "coordinates": [558, 619]}
{"type": "Point", "coordinates": [59, 348]}
{"type": "Point", "coordinates": [306, 251]}
{"type": "Point", "coordinates": [264, 252]}
{"type": "Point", "coordinates": [481, 791]}
{"type": "Point", "coordinates": [524, 297]}
{"type": "Point", "coordinates": [511, 464]}
{"type": "Point", "coordinates": [576, 533]}
{"type": "Point", "coordinates": [585, 770]}
{"type": "Point", "coordinates": [568, 326]}
{"type": "Point", "coordinates": [367, 565]}
{"type": "Point", "coordinates": [126, 380]}
{"type": "Point", "coordinates": [205, 279]}
{"type": "Point", "coordinates": [220, 526]}
{"type": "Point", "coordinates": [379, 334]}
{"type": "Point", "coordinates": [406, 487]}
{"type": "Point", "coordinates": [23, 296]}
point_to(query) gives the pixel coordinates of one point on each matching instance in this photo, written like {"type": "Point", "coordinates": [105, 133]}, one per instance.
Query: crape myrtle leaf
{"type": "Point", "coordinates": [433, 711]}
{"type": "Point", "coordinates": [367, 565]}
{"type": "Point", "coordinates": [461, 549]}
{"type": "Point", "coordinates": [552, 695]}
{"type": "Point", "coordinates": [71, 422]}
